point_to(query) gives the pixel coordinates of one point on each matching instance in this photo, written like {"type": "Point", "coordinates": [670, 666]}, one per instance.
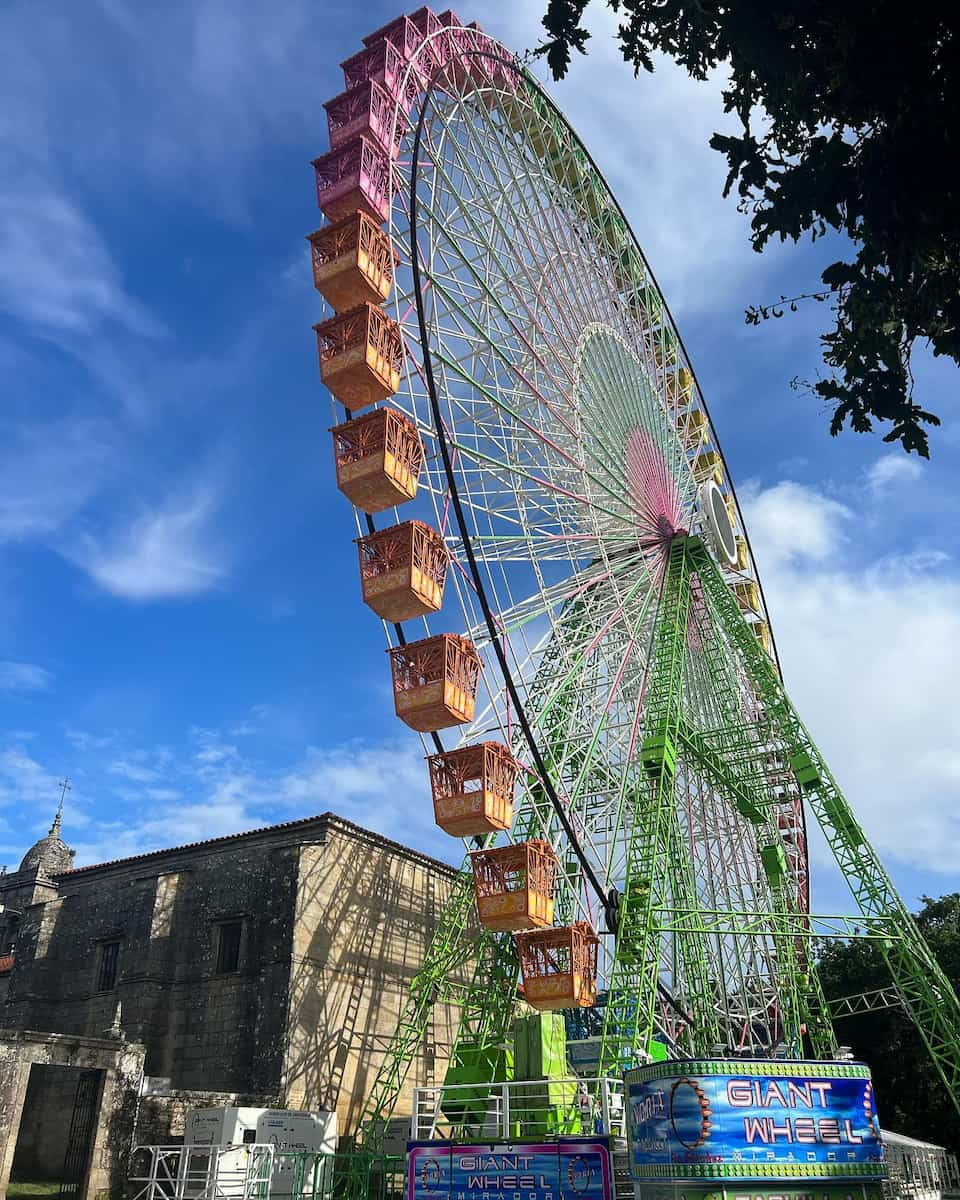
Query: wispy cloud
{"type": "Point", "coordinates": [167, 552]}
{"type": "Point", "coordinates": [23, 677]}
{"type": "Point", "coordinates": [891, 469]}
{"type": "Point", "coordinates": [48, 472]}
{"type": "Point", "coordinates": [179, 797]}
{"type": "Point", "coordinates": [134, 771]}
{"type": "Point", "coordinates": [25, 782]}
{"type": "Point", "coordinates": [56, 274]}
{"type": "Point", "coordinates": [84, 741]}
{"type": "Point", "coordinates": [140, 76]}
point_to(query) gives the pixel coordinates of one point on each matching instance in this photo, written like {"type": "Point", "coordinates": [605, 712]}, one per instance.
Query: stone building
{"type": "Point", "coordinates": [266, 968]}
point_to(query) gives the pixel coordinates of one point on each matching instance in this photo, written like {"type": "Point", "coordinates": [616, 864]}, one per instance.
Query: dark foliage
{"type": "Point", "coordinates": [850, 115]}
{"type": "Point", "coordinates": [910, 1094]}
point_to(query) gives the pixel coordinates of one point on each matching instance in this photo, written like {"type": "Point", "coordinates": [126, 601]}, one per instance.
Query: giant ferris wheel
{"type": "Point", "coordinates": [549, 532]}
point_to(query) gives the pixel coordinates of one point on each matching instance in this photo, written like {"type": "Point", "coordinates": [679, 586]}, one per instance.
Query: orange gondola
{"type": "Point", "coordinates": [378, 459]}
{"type": "Point", "coordinates": [435, 682]}
{"type": "Point", "coordinates": [559, 966]}
{"type": "Point", "coordinates": [515, 885]}
{"type": "Point", "coordinates": [402, 570]}
{"type": "Point", "coordinates": [361, 353]}
{"type": "Point", "coordinates": [352, 262]}
{"type": "Point", "coordinates": [473, 789]}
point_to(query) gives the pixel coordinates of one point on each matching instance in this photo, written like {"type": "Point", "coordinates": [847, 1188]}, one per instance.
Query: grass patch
{"type": "Point", "coordinates": [17, 1189]}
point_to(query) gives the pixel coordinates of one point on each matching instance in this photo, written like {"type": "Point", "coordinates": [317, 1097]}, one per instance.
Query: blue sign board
{"type": "Point", "coordinates": [567, 1169]}
{"type": "Point", "coordinates": [753, 1119]}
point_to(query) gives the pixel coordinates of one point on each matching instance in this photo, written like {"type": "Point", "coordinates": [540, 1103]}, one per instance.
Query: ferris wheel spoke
{"type": "Point", "coordinates": [469, 319]}
{"type": "Point", "coordinates": [515, 204]}
{"type": "Point", "coordinates": [462, 310]}
{"type": "Point", "coordinates": [507, 277]}
{"type": "Point", "coordinates": [494, 462]}
{"type": "Point", "coordinates": [533, 220]}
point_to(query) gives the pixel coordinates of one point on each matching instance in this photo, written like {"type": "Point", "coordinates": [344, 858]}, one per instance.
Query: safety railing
{"type": "Point", "coordinates": [259, 1172]}
{"type": "Point", "coordinates": [918, 1171]}
{"type": "Point", "coordinates": [519, 1109]}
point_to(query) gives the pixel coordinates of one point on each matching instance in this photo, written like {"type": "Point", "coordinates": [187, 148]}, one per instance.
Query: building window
{"type": "Point", "coordinates": [107, 964]}
{"type": "Point", "coordinates": [229, 936]}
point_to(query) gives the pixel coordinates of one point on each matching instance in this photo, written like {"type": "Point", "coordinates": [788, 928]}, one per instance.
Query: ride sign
{"type": "Point", "coordinates": [567, 1169]}
{"type": "Point", "coordinates": [753, 1119]}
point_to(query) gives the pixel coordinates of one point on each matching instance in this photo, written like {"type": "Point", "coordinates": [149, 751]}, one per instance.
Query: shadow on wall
{"type": "Point", "coordinates": [363, 927]}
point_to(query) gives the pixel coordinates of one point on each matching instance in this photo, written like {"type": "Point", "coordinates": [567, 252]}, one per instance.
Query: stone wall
{"type": "Point", "coordinates": [162, 1116]}
{"type": "Point", "coordinates": [365, 916]}
{"type": "Point", "coordinates": [219, 1032]}
{"type": "Point", "coordinates": [122, 1066]}
{"type": "Point", "coordinates": [336, 922]}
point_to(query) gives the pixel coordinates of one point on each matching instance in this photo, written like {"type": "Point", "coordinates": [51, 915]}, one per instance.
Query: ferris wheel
{"type": "Point", "coordinates": [549, 532]}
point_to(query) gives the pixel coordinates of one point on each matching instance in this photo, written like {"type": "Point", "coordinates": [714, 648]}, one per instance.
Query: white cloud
{"type": "Point", "coordinates": [163, 795]}
{"type": "Point", "coordinates": [891, 469]}
{"type": "Point", "coordinates": [170, 824]}
{"type": "Point", "coordinates": [214, 754]}
{"type": "Point", "coordinates": [790, 522]}
{"type": "Point", "coordinates": [25, 783]}
{"type": "Point", "coordinates": [870, 655]}
{"type": "Point", "coordinates": [383, 787]}
{"type": "Point", "coordinates": [56, 273]}
{"type": "Point", "coordinates": [183, 95]}
{"type": "Point", "coordinates": [23, 677]}
{"type": "Point", "coordinates": [48, 472]}
{"type": "Point", "coordinates": [168, 552]}
{"type": "Point", "coordinates": [84, 741]}
{"type": "Point", "coordinates": [136, 772]}
{"type": "Point", "coordinates": [184, 797]}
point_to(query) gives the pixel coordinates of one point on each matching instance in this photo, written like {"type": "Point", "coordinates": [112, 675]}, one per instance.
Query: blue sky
{"type": "Point", "coordinates": [180, 629]}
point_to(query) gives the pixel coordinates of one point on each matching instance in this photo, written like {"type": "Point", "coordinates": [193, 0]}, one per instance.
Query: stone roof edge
{"type": "Point", "coordinates": [327, 820]}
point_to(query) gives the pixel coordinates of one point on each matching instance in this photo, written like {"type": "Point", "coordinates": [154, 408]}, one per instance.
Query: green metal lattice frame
{"type": "Point", "coordinates": [917, 979]}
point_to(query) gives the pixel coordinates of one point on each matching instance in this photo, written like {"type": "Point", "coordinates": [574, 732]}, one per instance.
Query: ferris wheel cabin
{"type": "Point", "coordinates": [435, 682]}
{"type": "Point", "coordinates": [515, 885]}
{"type": "Point", "coordinates": [365, 109]}
{"type": "Point", "coordinates": [473, 789]}
{"type": "Point", "coordinates": [378, 459]}
{"type": "Point", "coordinates": [559, 966]}
{"type": "Point", "coordinates": [361, 354]}
{"type": "Point", "coordinates": [352, 262]}
{"type": "Point", "coordinates": [402, 570]}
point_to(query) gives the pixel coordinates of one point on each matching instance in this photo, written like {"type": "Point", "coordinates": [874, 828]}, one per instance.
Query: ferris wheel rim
{"type": "Point", "coordinates": [608, 899]}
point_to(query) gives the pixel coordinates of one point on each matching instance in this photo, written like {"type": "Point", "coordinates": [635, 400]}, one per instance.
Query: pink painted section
{"type": "Point", "coordinates": [381, 62]}
{"type": "Point", "coordinates": [406, 32]}
{"type": "Point", "coordinates": [366, 109]}
{"type": "Point", "coordinates": [387, 51]}
{"type": "Point", "coordinates": [354, 176]}
{"type": "Point", "coordinates": [652, 490]}
{"type": "Point", "coordinates": [656, 504]}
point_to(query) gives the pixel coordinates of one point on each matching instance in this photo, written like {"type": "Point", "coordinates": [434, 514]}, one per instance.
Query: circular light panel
{"type": "Point", "coordinates": [723, 540]}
